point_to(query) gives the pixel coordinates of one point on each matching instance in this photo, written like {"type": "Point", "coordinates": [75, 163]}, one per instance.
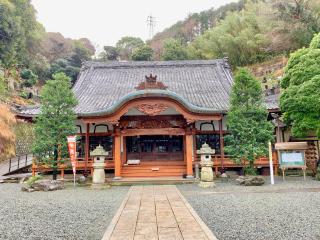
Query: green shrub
{"type": "Point", "coordinates": [250, 171]}
{"type": "Point", "coordinates": [33, 179]}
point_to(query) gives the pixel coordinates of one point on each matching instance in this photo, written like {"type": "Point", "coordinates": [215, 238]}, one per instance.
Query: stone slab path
{"type": "Point", "coordinates": [156, 212]}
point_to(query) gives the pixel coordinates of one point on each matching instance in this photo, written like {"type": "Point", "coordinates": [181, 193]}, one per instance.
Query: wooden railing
{"type": "Point", "coordinates": [66, 165]}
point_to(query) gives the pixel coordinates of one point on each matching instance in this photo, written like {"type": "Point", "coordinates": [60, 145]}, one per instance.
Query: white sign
{"type": "Point", "coordinates": [293, 158]}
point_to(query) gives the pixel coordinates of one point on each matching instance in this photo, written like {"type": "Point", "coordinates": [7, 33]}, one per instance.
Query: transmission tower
{"type": "Point", "coordinates": [151, 21]}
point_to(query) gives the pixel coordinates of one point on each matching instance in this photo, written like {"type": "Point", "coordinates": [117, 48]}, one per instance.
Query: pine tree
{"type": "Point", "coordinates": [249, 129]}
{"type": "Point", "coordinates": [55, 121]}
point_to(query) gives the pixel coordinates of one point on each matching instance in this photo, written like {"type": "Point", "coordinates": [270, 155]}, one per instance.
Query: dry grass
{"type": "Point", "coordinates": [7, 136]}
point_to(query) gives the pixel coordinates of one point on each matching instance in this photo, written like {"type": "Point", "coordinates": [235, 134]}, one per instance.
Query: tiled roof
{"type": "Point", "coordinates": [201, 84]}
{"type": "Point", "coordinates": [27, 111]}
{"type": "Point", "coordinates": [272, 101]}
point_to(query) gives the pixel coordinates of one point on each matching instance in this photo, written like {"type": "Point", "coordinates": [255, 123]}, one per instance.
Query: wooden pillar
{"type": "Point", "coordinates": [189, 150]}
{"type": "Point", "coordinates": [117, 154]}
{"type": "Point", "coordinates": [86, 150]}
{"type": "Point", "coordinates": [184, 149]}
{"type": "Point", "coordinates": [221, 143]}
{"type": "Point", "coordinates": [62, 172]}
{"type": "Point", "coordinates": [124, 148]}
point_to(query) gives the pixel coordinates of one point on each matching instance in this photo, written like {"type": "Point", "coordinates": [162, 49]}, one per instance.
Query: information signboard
{"type": "Point", "coordinates": [292, 155]}
{"type": "Point", "coordinates": [292, 158]}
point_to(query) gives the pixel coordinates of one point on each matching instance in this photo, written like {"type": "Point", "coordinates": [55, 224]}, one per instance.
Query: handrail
{"type": "Point", "coordinates": [19, 162]}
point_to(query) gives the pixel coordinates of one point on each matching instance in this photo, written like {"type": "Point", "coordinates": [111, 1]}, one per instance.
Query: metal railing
{"type": "Point", "coordinates": [19, 162]}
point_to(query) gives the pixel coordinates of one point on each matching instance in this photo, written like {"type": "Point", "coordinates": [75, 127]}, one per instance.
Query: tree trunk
{"type": "Point", "coordinates": [55, 164]}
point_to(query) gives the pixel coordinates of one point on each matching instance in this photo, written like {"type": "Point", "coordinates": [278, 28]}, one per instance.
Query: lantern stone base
{"type": "Point", "coordinates": [98, 176]}
{"type": "Point", "coordinates": [206, 179]}
{"type": "Point", "coordinates": [206, 184]}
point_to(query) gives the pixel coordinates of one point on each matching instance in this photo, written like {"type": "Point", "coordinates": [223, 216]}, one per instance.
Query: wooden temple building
{"type": "Point", "coordinates": [151, 117]}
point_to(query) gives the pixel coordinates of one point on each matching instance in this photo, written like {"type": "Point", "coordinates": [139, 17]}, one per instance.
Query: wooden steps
{"type": "Point", "coordinates": [155, 169]}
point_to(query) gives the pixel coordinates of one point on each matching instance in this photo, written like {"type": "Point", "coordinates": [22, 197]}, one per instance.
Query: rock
{"type": "Point", "coordinates": [250, 180]}
{"type": "Point", "coordinates": [25, 188]}
{"type": "Point", "coordinates": [82, 179]}
{"type": "Point", "coordinates": [224, 175]}
{"type": "Point", "coordinates": [47, 185]}
{"type": "Point", "coordinates": [11, 180]}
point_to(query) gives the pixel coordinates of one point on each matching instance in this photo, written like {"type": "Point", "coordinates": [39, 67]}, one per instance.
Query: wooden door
{"type": "Point", "coordinates": [155, 148]}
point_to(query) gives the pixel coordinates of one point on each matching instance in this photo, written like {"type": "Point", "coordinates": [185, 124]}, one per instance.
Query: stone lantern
{"type": "Point", "coordinates": [99, 155]}
{"type": "Point", "coordinates": [206, 163]}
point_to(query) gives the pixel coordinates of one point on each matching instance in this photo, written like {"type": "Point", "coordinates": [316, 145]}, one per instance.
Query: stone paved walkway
{"type": "Point", "coordinates": [156, 212]}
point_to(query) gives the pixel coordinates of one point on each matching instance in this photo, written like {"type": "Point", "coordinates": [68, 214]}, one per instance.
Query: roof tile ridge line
{"type": "Point", "coordinates": [81, 80]}
{"type": "Point", "coordinates": [154, 65]}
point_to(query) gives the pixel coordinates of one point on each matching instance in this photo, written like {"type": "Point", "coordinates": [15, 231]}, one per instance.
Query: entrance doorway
{"type": "Point", "coordinates": [155, 148]}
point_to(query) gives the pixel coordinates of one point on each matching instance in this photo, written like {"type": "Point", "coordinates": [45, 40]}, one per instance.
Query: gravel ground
{"type": "Point", "coordinates": [66, 214]}
{"type": "Point", "coordinates": [287, 210]}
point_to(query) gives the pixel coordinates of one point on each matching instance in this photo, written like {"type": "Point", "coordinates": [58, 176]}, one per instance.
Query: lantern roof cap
{"type": "Point", "coordinates": [99, 151]}
{"type": "Point", "coordinates": [205, 149]}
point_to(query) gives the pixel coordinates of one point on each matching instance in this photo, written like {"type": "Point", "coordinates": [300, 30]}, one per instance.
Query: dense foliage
{"type": "Point", "coordinates": [174, 50]}
{"type": "Point", "coordinates": [110, 53]}
{"type": "Point", "coordinates": [143, 53]}
{"type": "Point", "coordinates": [55, 122]}
{"type": "Point", "coordinates": [127, 45]}
{"type": "Point", "coordinates": [26, 47]}
{"type": "Point", "coordinates": [247, 32]}
{"type": "Point", "coordinates": [193, 26]}
{"type": "Point", "coordinates": [300, 99]}
{"type": "Point", "coordinates": [239, 36]}
{"type": "Point", "coordinates": [249, 129]}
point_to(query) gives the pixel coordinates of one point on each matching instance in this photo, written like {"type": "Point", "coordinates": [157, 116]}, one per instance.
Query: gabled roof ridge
{"type": "Point", "coordinates": [155, 64]}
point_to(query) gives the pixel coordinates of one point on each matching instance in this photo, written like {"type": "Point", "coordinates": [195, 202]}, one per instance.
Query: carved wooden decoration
{"type": "Point", "coordinates": [148, 124]}
{"type": "Point", "coordinates": [151, 83]}
{"type": "Point", "coordinates": [152, 109]}
{"type": "Point", "coordinates": [152, 123]}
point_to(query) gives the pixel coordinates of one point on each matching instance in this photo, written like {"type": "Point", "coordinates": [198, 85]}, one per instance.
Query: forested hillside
{"type": "Point", "coordinates": [247, 32]}
{"type": "Point", "coordinates": [29, 55]}
{"type": "Point", "coordinates": [250, 32]}
{"type": "Point", "coordinates": [193, 26]}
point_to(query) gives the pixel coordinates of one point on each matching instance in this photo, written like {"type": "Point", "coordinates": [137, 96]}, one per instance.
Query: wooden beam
{"type": "Point", "coordinates": [159, 118]}
{"type": "Point", "coordinates": [96, 134]}
{"type": "Point", "coordinates": [153, 131]}
{"type": "Point", "coordinates": [211, 132]}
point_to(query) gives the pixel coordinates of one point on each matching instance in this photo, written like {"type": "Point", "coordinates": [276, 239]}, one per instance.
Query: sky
{"type": "Point", "coordinates": [104, 22]}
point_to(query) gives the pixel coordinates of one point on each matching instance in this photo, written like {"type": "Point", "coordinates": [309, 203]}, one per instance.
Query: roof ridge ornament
{"type": "Point", "coordinates": [151, 82]}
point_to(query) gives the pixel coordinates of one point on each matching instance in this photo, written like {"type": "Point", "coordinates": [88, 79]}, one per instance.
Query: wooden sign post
{"type": "Point", "coordinates": [292, 155]}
